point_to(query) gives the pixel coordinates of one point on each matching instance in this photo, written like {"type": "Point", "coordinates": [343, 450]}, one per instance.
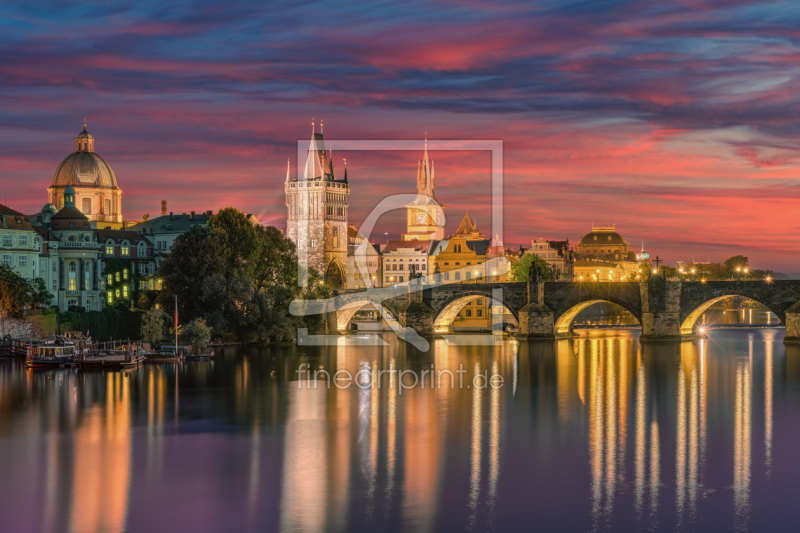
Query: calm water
{"type": "Point", "coordinates": [594, 434]}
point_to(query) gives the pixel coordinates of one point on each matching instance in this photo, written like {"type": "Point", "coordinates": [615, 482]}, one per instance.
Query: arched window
{"type": "Point", "coordinates": [72, 283]}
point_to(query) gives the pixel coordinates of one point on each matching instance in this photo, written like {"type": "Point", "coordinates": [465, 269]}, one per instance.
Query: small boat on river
{"type": "Point", "coordinates": [51, 354]}
{"type": "Point", "coordinates": [162, 356]}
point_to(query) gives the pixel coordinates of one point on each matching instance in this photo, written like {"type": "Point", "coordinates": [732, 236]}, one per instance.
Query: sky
{"type": "Point", "coordinates": [675, 121]}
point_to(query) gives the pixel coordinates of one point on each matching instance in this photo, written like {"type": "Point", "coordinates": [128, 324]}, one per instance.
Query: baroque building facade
{"type": "Point", "coordinates": [317, 208]}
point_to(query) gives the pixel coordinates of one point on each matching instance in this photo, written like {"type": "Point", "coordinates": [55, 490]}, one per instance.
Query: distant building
{"type": "Point", "coordinates": [362, 265]}
{"type": "Point", "coordinates": [97, 194]}
{"type": "Point", "coordinates": [557, 254]}
{"type": "Point", "coordinates": [130, 266]}
{"type": "Point", "coordinates": [317, 206]}
{"type": "Point", "coordinates": [603, 255]}
{"type": "Point", "coordinates": [20, 244]}
{"type": "Point", "coordinates": [70, 255]}
{"type": "Point", "coordinates": [424, 220]}
{"type": "Point", "coordinates": [162, 231]}
{"type": "Point", "coordinates": [400, 259]}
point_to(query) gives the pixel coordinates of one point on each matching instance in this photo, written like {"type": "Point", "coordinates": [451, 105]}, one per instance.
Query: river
{"type": "Point", "coordinates": [598, 433]}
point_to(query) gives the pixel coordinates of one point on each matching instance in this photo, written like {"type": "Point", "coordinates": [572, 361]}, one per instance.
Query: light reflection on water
{"type": "Point", "coordinates": [597, 433]}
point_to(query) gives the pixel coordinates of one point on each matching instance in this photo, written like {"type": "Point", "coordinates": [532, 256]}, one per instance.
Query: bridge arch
{"type": "Point", "coordinates": [443, 321]}
{"type": "Point", "coordinates": [563, 321]}
{"type": "Point", "coordinates": [690, 318]}
{"type": "Point", "coordinates": [345, 313]}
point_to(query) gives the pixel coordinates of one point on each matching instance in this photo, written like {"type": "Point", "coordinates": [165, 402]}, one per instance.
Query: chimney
{"type": "Point", "coordinates": [208, 213]}
{"type": "Point", "coordinates": [170, 215]}
{"type": "Point", "coordinates": [191, 216]}
{"type": "Point", "coordinates": [163, 208]}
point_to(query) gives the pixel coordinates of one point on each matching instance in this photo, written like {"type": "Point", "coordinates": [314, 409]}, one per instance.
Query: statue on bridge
{"type": "Point", "coordinates": [533, 273]}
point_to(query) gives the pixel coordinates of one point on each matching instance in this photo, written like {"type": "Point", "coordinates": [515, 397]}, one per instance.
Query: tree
{"type": "Point", "coordinates": [737, 261]}
{"type": "Point", "coordinates": [194, 257]}
{"type": "Point", "coordinates": [521, 269]}
{"type": "Point", "coordinates": [14, 292]}
{"type": "Point", "coordinates": [238, 277]}
{"type": "Point", "coordinates": [241, 243]}
{"type": "Point", "coordinates": [645, 270]}
{"type": "Point", "coordinates": [39, 296]}
{"type": "Point", "coordinates": [195, 335]}
{"type": "Point", "coordinates": [18, 293]}
{"type": "Point", "coordinates": [154, 323]}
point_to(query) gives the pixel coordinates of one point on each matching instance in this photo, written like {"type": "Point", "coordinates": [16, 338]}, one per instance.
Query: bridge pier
{"type": "Point", "coordinates": [661, 311]}
{"type": "Point", "coordinates": [792, 321]}
{"type": "Point", "coordinates": [536, 322]}
{"type": "Point", "coordinates": [416, 313]}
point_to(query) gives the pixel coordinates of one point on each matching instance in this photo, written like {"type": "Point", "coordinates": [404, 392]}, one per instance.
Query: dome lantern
{"type": "Point", "coordinates": [85, 140]}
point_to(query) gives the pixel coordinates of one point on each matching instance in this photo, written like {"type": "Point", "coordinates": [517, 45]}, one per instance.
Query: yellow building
{"type": "Point", "coordinates": [603, 255]}
{"type": "Point", "coordinates": [462, 258]}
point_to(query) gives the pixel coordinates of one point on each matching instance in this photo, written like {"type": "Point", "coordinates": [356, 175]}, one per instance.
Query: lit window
{"type": "Point", "coordinates": [109, 249]}
{"type": "Point", "coordinates": [125, 291]}
{"type": "Point", "coordinates": [116, 275]}
{"type": "Point", "coordinates": [117, 293]}
{"type": "Point", "coordinates": [125, 249]}
{"type": "Point", "coordinates": [110, 279]}
{"type": "Point", "coordinates": [110, 297]}
{"type": "Point", "coordinates": [125, 274]}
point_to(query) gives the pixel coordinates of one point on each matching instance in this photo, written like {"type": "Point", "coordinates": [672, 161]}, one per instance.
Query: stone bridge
{"type": "Point", "coordinates": [667, 310]}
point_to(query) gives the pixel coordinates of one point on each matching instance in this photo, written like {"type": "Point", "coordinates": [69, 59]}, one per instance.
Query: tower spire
{"type": "Point", "coordinates": [288, 174]}
{"type": "Point", "coordinates": [313, 128]}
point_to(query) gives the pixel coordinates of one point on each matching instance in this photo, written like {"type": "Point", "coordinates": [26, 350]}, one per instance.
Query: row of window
{"type": "Point", "coordinates": [22, 240]}
{"type": "Point", "coordinates": [86, 206]}
{"type": "Point", "coordinates": [457, 276]}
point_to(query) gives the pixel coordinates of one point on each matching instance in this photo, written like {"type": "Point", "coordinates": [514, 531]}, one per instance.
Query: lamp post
{"type": "Point", "coordinates": [738, 272]}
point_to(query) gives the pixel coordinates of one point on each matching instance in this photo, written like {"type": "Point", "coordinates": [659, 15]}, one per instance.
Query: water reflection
{"type": "Point", "coordinates": [600, 432]}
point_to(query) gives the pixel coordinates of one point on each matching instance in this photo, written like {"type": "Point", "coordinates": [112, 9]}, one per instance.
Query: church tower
{"type": "Point", "coordinates": [317, 207]}
{"type": "Point", "coordinates": [425, 220]}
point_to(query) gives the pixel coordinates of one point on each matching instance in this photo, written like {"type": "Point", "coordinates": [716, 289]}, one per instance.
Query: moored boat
{"type": "Point", "coordinates": [51, 354]}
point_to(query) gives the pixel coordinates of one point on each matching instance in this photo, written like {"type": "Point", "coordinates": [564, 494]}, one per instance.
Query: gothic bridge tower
{"type": "Point", "coordinates": [317, 205]}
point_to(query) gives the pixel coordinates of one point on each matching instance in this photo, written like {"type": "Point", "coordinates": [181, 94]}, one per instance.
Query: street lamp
{"type": "Point", "coordinates": [738, 270]}
{"type": "Point", "coordinates": [746, 270]}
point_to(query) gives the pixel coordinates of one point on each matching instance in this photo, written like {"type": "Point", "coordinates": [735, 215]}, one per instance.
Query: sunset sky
{"type": "Point", "coordinates": [676, 121]}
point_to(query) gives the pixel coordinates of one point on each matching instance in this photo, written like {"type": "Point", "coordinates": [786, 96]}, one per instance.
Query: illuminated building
{"type": "Point", "coordinates": [97, 194]}
{"type": "Point", "coordinates": [425, 214]}
{"type": "Point", "coordinates": [317, 206]}
{"type": "Point", "coordinates": [603, 255]}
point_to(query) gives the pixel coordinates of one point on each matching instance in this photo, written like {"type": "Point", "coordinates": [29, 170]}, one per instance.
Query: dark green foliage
{"type": "Point", "coordinates": [238, 277]}
{"type": "Point", "coordinates": [103, 325]}
{"type": "Point", "coordinates": [18, 294]}
{"type": "Point", "coordinates": [521, 269]}
{"type": "Point", "coordinates": [195, 335]}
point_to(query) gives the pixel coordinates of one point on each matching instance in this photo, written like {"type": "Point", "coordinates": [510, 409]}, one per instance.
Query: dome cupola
{"type": "Point", "coordinates": [85, 140]}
